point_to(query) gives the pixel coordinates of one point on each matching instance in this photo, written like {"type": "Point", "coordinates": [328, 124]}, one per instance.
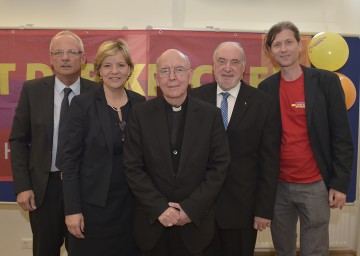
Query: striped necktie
{"type": "Point", "coordinates": [224, 108]}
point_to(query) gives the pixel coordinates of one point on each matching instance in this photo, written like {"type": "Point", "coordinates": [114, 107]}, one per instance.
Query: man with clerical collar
{"type": "Point", "coordinates": [176, 155]}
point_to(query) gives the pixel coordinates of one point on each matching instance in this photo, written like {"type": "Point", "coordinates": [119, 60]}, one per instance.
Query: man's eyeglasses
{"type": "Point", "coordinates": [70, 53]}
{"type": "Point", "coordinates": [178, 71]}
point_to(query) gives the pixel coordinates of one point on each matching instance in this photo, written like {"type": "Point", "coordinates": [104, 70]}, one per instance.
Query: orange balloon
{"type": "Point", "coordinates": [349, 90]}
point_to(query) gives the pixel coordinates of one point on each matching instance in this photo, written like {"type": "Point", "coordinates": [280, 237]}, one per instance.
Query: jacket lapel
{"type": "Point", "coordinates": [103, 115]}
{"type": "Point", "coordinates": [310, 82]}
{"type": "Point", "coordinates": [161, 132]}
{"type": "Point", "coordinates": [48, 98]}
{"type": "Point", "coordinates": [190, 132]}
{"type": "Point", "coordinates": [241, 105]}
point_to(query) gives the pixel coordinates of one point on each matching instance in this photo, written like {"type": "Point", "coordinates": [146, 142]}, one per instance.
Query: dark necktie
{"type": "Point", "coordinates": [62, 124]}
{"type": "Point", "coordinates": [224, 108]}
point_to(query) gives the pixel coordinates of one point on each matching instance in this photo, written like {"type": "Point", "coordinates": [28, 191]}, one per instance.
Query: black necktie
{"type": "Point", "coordinates": [62, 123]}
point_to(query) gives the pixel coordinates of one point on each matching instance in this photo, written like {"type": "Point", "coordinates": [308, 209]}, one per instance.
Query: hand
{"type": "Point", "coordinates": [75, 224]}
{"type": "Point", "coordinates": [169, 217]}
{"type": "Point", "coordinates": [26, 200]}
{"type": "Point", "coordinates": [336, 199]}
{"type": "Point", "coordinates": [261, 224]}
{"type": "Point", "coordinates": [184, 218]}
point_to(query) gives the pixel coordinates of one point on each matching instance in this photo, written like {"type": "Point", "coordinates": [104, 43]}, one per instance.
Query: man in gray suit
{"type": "Point", "coordinates": [176, 157]}
{"type": "Point", "coordinates": [34, 142]}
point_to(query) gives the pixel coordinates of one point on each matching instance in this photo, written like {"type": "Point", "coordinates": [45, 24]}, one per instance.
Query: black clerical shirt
{"type": "Point", "coordinates": [176, 123]}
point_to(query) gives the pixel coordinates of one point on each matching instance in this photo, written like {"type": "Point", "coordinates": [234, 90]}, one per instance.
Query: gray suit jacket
{"type": "Point", "coordinates": [31, 135]}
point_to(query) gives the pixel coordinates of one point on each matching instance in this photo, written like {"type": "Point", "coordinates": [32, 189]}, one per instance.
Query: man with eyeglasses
{"type": "Point", "coordinates": [36, 142]}
{"type": "Point", "coordinates": [176, 156]}
{"type": "Point", "coordinates": [246, 201]}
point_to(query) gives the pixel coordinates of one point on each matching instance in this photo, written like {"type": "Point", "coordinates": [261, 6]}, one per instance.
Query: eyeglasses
{"type": "Point", "coordinates": [178, 71]}
{"type": "Point", "coordinates": [70, 53]}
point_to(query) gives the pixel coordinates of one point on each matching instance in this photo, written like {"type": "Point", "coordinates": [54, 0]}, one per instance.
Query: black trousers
{"type": "Point", "coordinates": [170, 244]}
{"type": "Point", "coordinates": [233, 242]}
{"type": "Point", "coordinates": [48, 221]}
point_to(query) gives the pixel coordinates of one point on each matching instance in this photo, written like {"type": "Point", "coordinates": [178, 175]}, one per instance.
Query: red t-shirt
{"type": "Point", "coordinates": [297, 161]}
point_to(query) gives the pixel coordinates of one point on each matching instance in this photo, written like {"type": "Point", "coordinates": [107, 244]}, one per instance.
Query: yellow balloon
{"type": "Point", "coordinates": [349, 90]}
{"type": "Point", "coordinates": [328, 50]}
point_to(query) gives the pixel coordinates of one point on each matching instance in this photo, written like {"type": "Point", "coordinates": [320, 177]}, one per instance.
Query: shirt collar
{"type": "Point", "coordinates": [233, 91]}
{"type": "Point", "coordinates": [75, 87]}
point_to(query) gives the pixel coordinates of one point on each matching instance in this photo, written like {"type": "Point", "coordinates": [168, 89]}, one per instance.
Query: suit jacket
{"type": "Point", "coordinates": [31, 135]}
{"type": "Point", "coordinates": [327, 124]}
{"type": "Point", "coordinates": [88, 150]}
{"type": "Point", "coordinates": [200, 175]}
{"type": "Point", "coordinates": [250, 187]}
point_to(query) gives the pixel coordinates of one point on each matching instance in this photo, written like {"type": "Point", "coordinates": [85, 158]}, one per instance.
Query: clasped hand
{"type": "Point", "coordinates": [174, 215]}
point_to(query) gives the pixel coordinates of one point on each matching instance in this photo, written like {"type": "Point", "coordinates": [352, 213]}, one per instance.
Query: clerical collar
{"type": "Point", "coordinates": [176, 109]}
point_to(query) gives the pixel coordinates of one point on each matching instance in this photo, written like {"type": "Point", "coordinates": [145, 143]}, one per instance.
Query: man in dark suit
{"type": "Point", "coordinates": [34, 140]}
{"type": "Point", "coordinates": [176, 157]}
{"type": "Point", "coordinates": [246, 201]}
{"type": "Point", "coordinates": [316, 152]}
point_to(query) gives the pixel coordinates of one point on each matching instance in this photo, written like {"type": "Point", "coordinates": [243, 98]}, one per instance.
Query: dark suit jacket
{"type": "Point", "coordinates": [254, 138]}
{"type": "Point", "coordinates": [327, 124]}
{"type": "Point", "coordinates": [31, 135]}
{"type": "Point", "coordinates": [201, 171]}
{"type": "Point", "coordinates": [88, 150]}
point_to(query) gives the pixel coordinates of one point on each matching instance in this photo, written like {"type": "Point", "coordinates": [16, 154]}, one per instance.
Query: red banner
{"type": "Point", "coordinates": [24, 55]}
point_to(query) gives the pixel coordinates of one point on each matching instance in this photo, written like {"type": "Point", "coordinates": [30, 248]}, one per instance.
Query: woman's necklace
{"type": "Point", "coordinates": [117, 110]}
{"type": "Point", "coordinates": [123, 98]}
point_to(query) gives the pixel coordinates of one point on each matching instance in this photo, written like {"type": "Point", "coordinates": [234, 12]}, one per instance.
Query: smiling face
{"type": "Point", "coordinates": [285, 49]}
{"type": "Point", "coordinates": [229, 65]}
{"type": "Point", "coordinates": [114, 71]}
{"type": "Point", "coordinates": [67, 67]}
{"type": "Point", "coordinates": [173, 76]}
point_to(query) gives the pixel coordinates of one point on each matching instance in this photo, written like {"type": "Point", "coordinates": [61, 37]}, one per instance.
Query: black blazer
{"type": "Point", "coordinates": [327, 124]}
{"type": "Point", "coordinates": [200, 175]}
{"type": "Point", "coordinates": [31, 135]}
{"type": "Point", "coordinates": [254, 138]}
{"type": "Point", "coordinates": [88, 150]}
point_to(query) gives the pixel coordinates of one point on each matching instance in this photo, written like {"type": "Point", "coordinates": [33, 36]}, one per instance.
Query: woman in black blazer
{"type": "Point", "coordinates": [98, 202]}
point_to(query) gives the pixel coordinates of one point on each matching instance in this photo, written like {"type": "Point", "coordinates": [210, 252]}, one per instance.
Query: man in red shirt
{"type": "Point", "coordinates": [316, 152]}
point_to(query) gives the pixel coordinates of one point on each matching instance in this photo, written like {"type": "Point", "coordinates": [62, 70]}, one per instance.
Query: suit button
{"type": "Point", "coordinates": [175, 152]}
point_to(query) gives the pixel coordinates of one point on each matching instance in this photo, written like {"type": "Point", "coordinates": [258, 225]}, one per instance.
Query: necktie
{"type": "Point", "coordinates": [224, 108]}
{"type": "Point", "coordinates": [62, 123]}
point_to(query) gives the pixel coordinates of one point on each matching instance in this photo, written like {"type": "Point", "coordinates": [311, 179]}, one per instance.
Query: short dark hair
{"type": "Point", "coordinates": [276, 29]}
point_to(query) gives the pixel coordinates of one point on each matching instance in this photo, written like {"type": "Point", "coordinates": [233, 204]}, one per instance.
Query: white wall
{"type": "Point", "coordinates": [311, 16]}
{"type": "Point", "coordinates": [246, 15]}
